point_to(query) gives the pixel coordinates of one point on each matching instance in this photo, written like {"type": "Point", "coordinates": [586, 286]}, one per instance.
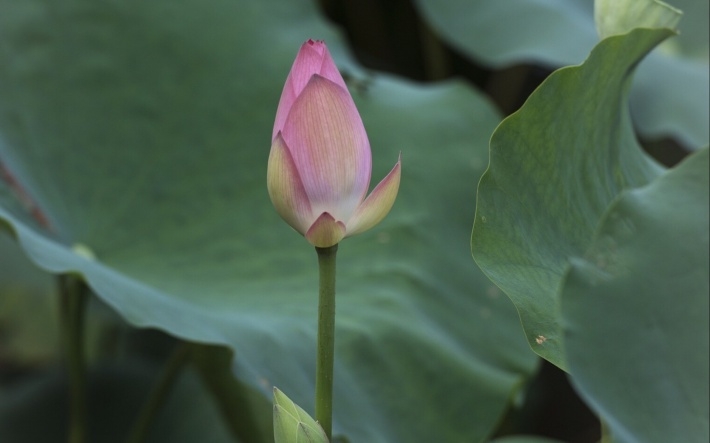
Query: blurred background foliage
{"type": "Point", "coordinates": [103, 106]}
{"type": "Point", "coordinates": [507, 49]}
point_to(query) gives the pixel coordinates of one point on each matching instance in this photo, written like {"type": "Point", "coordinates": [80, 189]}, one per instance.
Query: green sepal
{"type": "Point", "coordinates": [292, 424]}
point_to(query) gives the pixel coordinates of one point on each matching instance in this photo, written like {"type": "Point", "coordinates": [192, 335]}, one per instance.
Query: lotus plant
{"type": "Point", "coordinates": [318, 176]}
{"type": "Point", "coordinates": [320, 162]}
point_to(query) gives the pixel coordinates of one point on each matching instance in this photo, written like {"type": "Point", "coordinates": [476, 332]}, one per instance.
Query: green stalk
{"type": "Point", "coordinates": [73, 298]}
{"type": "Point", "coordinates": [159, 393]}
{"type": "Point", "coordinates": [606, 432]}
{"type": "Point", "coordinates": [326, 338]}
{"type": "Point", "coordinates": [234, 400]}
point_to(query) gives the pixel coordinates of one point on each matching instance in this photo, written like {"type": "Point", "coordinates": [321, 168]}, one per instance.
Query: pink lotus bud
{"type": "Point", "coordinates": [320, 161]}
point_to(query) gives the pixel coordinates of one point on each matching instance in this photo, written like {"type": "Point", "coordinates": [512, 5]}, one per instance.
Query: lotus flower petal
{"type": "Point", "coordinates": [329, 145]}
{"type": "Point", "coordinates": [325, 231]}
{"type": "Point", "coordinates": [378, 204]}
{"type": "Point", "coordinates": [313, 58]}
{"type": "Point", "coordinates": [286, 189]}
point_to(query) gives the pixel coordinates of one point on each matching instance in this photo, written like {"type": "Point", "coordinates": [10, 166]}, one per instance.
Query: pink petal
{"type": "Point", "coordinates": [325, 231]}
{"type": "Point", "coordinates": [329, 145]}
{"type": "Point", "coordinates": [328, 68]}
{"type": "Point", "coordinates": [286, 189]}
{"type": "Point", "coordinates": [313, 58]}
{"type": "Point", "coordinates": [378, 204]}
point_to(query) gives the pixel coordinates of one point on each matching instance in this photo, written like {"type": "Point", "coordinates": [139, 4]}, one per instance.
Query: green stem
{"type": "Point", "coordinates": [235, 402]}
{"type": "Point", "coordinates": [73, 298]}
{"type": "Point", "coordinates": [606, 433]}
{"type": "Point", "coordinates": [326, 338]}
{"type": "Point", "coordinates": [159, 393]}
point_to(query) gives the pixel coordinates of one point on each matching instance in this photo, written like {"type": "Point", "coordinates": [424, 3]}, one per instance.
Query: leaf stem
{"type": "Point", "coordinates": [214, 365]}
{"type": "Point", "coordinates": [326, 338]}
{"type": "Point", "coordinates": [605, 431]}
{"type": "Point", "coordinates": [73, 298]}
{"type": "Point", "coordinates": [159, 393]}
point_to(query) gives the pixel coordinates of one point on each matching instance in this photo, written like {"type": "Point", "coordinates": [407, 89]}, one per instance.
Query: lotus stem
{"type": "Point", "coordinates": [326, 338]}
{"type": "Point", "coordinates": [73, 297]}
{"type": "Point", "coordinates": [159, 393]}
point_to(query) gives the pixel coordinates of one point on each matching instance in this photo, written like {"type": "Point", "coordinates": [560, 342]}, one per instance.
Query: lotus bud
{"type": "Point", "coordinates": [320, 162]}
{"type": "Point", "coordinates": [292, 424]}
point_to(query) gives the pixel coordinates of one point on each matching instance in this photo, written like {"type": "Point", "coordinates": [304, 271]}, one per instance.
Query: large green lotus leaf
{"type": "Point", "coordinates": [674, 89]}
{"type": "Point", "coordinates": [35, 410]}
{"type": "Point", "coordinates": [635, 311]}
{"type": "Point", "coordinates": [515, 31]}
{"type": "Point", "coordinates": [621, 16]}
{"type": "Point", "coordinates": [141, 131]}
{"type": "Point", "coordinates": [555, 166]}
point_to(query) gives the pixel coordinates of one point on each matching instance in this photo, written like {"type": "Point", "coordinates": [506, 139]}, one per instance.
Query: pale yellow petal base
{"type": "Point", "coordinates": [326, 231]}
{"type": "Point", "coordinates": [286, 188]}
{"type": "Point", "coordinates": [378, 204]}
